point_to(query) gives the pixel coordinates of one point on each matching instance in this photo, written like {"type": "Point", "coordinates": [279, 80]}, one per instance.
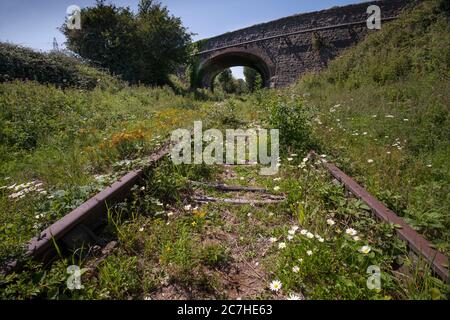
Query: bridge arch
{"type": "Point", "coordinates": [234, 57]}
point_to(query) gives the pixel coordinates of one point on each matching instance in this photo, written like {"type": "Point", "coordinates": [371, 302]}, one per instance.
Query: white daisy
{"type": "Point", "coordinates": [295, 269]}
{"type": "Point", "coordinates": [275, 285]}
{"type": "Point", "coordinates": [309, 253]}
{"type": "Point", "coordinates": [291, 232]}
{"type": "Point", "coordinates": [365, 249]}
{"type": "Point", "coordinates": [290, 237]}
{"type": "Point", "coordinates": [352, 232]}
{"type": "Point", "coordinates": [273, 240]}
{"type": "Point", "coordinates": [356, 238]}
{"type": "Point", "coordinates": [331, 222]}
{"type": "Point", "coordinates": [304, 232]}
{"type": "Point", "coordinates": [370, 161]}
{"type": "Point", "coordinates": [309, 235]}
{"type": "Point", "coordinates": [282, 245]}
{"type": "Point", "coordinates": [277, 188]}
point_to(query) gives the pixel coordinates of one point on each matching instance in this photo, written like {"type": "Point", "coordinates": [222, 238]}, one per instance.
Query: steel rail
{"type": "Point", "coordinates": [92, 213]}
{"type": "Point", "coordinates": [438, 261]}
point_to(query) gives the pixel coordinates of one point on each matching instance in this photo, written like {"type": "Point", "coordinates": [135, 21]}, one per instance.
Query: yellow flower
{"type": "Point", "coordinates": [199, 213]}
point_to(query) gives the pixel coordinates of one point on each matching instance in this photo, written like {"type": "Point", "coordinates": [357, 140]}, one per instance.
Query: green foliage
{"type": "Point", "coordinates": [382, 112]}
{"type": "Point", "coordinates": [142, 48]}
{"type": "Point", "coordinates": [253, 79]}
{"type": "Point", "coordinates": [55, 68]}
{"type": "Point", "coordinates": [293, 119]}
{"type": "Point", "coordinates": [226, 81]}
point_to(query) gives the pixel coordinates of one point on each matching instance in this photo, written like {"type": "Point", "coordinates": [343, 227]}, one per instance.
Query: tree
{"type": "Point", "coordinates": [226, 81]}
{"type": "Point", "coordinates": [144, 47]}
{"type": "Point", "coordinates": [253, 79]}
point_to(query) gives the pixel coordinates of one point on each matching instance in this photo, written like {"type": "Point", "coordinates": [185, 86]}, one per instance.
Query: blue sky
{"type": "Point", "coordinates": [33, 23]}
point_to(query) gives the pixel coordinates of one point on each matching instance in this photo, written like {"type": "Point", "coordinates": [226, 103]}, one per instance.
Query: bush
{"type": "Point", "coordinates": [49, 68]}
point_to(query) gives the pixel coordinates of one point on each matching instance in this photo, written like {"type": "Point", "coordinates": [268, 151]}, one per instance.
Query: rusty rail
{"type": "Point", "coordinates": [90, 214]}
{"type": "Point", "coordinates": [438, 261]}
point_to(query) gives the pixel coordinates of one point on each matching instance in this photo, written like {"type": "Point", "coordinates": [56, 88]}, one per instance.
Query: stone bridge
{"type": "Point", "coordinates": [284, 49]}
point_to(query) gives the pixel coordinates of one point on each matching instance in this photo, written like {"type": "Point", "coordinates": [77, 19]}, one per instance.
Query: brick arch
{"type": "Point", "coordinates": [235, 57]}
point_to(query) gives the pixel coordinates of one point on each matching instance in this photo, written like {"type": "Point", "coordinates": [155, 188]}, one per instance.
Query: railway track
{"type": "Point", "coordinates": [81, 224]}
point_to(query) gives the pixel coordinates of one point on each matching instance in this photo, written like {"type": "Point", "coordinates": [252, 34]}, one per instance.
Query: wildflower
{"type": "Point", "coordinates": [194, 223]}
{"type": "Point", "coordinates": [370, 161]}
{"type": "Point", "coordinates": [294, 296]}
{"type": "Point", "coordinates": [406, 120]}
{"type": "Point", "coordinates": [273, 240]}
{"type": "Point", "coordinates": [388, 152]}
{"type": "Point", "coordinates": [282, 245]}
{"type": "Point", "coordinates": [305, 160]}
{"type": "Point", "coordinates": [309, 235]}
{"type": "Point", "coordinates": [309, 253]}
{"type": "Point", "coordinates": [141, 229]}
{"type": "Point", "coordinates": [295, 269]}
{"type": "Point", "coordinates": [356, 238]}
{"type": "Point", "coordinates": [295, 228]}
{"type": "Point", "coordinates": [291, 232]}
{"type": "Point", "coordinates": [290, 237]}
{"type": "Point", "coordinates": [290, 159]}
{"type": "Point", "coordinates": [321, 240]}
{"type": "Point", "coordinates": [277, 188]}
{"type": "Point", "coordinates": [169, 214]}
{"type": "Point", "coordinates": [304, 232]}
{"type": "Point", "coordinates": [188, 207]}
{"type": "Point", "coordinates": [352, 232]}
{"type": "Point", "coordinates": [323, 155]}
{"type": "Point", "coordinates": [390, 116]}
{"type": "Point", "coordinates": [277, 179]}
{"type": "Point", "coordinates": [429, 165]}
{"type": "Point", "coordinates": [365, 249]}
{"type": "Point", "coordinates": [300, 260]}
{"type": "Point", "coordinates": [142, 188]}
{"type": "Point", "coordinates": [271, 214]}
{"type": "Point", "coordinates": [275, 285]}
{"type": "Point", "coordinates": [294, 155]}
{"type": "Point", "coordinates": [331, 222]}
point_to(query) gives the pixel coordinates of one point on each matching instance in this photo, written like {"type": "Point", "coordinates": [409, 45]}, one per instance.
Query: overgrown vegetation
{"type": "Point", "coordinates": [380, 112]}
{"type": "Point", "coordinates": [143, 47]}
{"type": "Point", "coordinates": [55, 68]}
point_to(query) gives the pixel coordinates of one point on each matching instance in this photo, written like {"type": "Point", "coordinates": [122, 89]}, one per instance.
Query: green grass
{"type": "Point", "coordinates": [380, 112]}
{"type": "Point", "coordinates": [74, 142]}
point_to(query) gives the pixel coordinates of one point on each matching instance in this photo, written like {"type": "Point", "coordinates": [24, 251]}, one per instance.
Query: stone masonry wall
{"type": "Point", "coordinates": [295, 55]}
